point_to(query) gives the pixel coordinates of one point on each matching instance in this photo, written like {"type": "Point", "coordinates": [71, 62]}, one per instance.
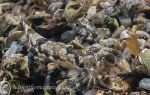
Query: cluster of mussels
{"type": "Point", "coordinates": [75, 47]}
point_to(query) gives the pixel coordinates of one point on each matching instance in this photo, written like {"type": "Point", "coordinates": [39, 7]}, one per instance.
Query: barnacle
{"type": "Point", "coordinates": [74, 47]}
{"type": "Point", "coordinates": [89, 77]}
{"type": "Point", "coordinates": [77, 80]}
{"type": "Point", "coordinates": [95, 75]}
{"type": "Point", "coordinates": [64, 88]}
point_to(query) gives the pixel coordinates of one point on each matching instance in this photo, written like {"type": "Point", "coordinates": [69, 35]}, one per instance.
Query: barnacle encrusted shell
{"type": "Point", "coordinates": [64, 88]}
{"type": "Point", "coordinates": [115, 83]}
{"type": "Point", "coordinates": [51, 48]}
{"type": "Point", "coordinates": [145, 59]}
{"type": "Point", "coordinates": [16, 63]}
{"type": "Point", "coordinates": [14, 35]}
{"type": "Point", "coordinates": [76, 43]}
{"type": "Point", "coordinates": [13, 20]}
{"type": "Point", "coordinates": [72, 13]}
{"type": "Point", "coordinates": [118, 84]}
{"type": "Point", "coordinates": [110, 42]}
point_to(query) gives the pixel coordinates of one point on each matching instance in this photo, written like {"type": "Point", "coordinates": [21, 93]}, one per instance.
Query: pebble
{"type": "Point", "coordinates": [145, 83]}
{"type": "Point", "coordinates": [91, 12]}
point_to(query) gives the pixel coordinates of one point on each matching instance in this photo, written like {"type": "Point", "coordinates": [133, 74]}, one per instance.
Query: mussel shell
{"type": "Point", "coordinates": [54, 31]}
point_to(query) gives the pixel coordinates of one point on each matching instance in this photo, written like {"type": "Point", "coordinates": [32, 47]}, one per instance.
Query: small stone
{"type": "Point", "coordinates": [142, 43]}
{"type": "Point", "coordinates": [91, 12]}
{"type": "Point", "coordinates": [109, 10]}
{"type": "Point", "coordinates": [98, 18]}
{"type": "Point", "coordinates": [68, 36]}
{"type": "Point", "coordinates": [145, 59]}
{"type": "Point", "coordinates": [126, 21]}
{"type": "Point", "coordinates": [111, 23]}
{"type": "Point", "coordinates": [145, 83]}
{"type": "Point", "coordinates": [118, 31]}
{"type": "Point", "coordinates": [142, 34]}
{"type": "Point", "coordinates": [147, 26]}
{"type": "Point", "coordinates": [124, 35]}
{"type": "Point", "coordinates": [102, 32]}
{"type": "Point", "coordinates": [110, 42]}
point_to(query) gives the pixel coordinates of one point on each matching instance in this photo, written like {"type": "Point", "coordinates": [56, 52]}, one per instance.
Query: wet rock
{"type": "Point", "coordinates": [145, 83]}
{"type": "Point", "coordinates": [109, 10]}
{"type": "Point", "coordinates": [102, 32]}
{"type": "Point", "coordinates": [111, 23]}
{"type": "Point", "coordinates": [142, 34]}
{"type": "Point", "coordinates": [126, 21]}
{"type": "Point", "coordinates": [144, 59]}
{"type": "Point", "coordinates": [68, 36]}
